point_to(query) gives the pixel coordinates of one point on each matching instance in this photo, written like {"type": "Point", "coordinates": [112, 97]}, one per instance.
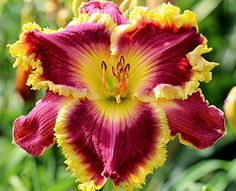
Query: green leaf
{"type": "Point", "coordinates": [204, 8]}
{"type": "Point", "coordinates": [17, 184]}
{"type": "Point", "coordinates": [194, 173]}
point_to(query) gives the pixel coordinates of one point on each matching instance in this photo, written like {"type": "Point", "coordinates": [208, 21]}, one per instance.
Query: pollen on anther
{"type": "Point", "coordinates": [119, 66]}
{"type": "Point", "coordinates": [122, 60]}
{"type": "Point", "coordinates": [104, 66]}
{"type": "Point", "coordinates": [113, 71]}
{"type": "Point", "coordinates": [127, 68]}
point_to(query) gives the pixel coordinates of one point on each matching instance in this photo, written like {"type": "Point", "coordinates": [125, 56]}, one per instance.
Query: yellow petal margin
{"type": "Point", "coordinates": [134, 180]}
{"type": "Point", "coordinates": [18, 51]}
{"type": "Point", "coordinates": [137, 180]}
{"type": "Point", "coordinates": [201, 69]}
{"type": "Point", "coordinates": [169, 15]}
{"type": "Point", "coordinates": [74, 162]}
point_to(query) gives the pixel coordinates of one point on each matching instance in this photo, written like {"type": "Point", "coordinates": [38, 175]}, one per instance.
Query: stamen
{"type": "Point", "coordinates": [126, 80]}
{"type": "Point", "coordinates": [127, 68]}
{"type": "Point", "coordinates": [122, 60]}
{"type": "Point", "coordinates": [121, 74]}
{"type": "Point", "coordinates": [104, 66]}
{"type": "Point", "coordinates": [104, 86]}
{"type": "Point", "coordinates": [122, 87]}
{"type": "Point", "coordinates": [113, 71]}
{"type": "Point", "coordinates": [119, 66]}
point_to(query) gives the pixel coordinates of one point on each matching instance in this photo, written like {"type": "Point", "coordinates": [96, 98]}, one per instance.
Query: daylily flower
{"type": "Point", "coordinates": [118, 89]}
{"type": "Point", "coordinates": [230, 108]}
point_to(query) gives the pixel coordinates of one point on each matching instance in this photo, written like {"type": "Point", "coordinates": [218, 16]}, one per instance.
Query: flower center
{"type": "Point", "coordinates": [121, 74]}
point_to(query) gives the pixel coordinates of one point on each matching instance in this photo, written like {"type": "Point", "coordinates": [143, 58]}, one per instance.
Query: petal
{"type": "Point", "coordinates": [34, 132]}
{"type": "Point", "coordinates": [62, 60]}
{"type": "Point", "coordinates": [164, 51]}
{"type": "Point", "coordinates": [104, 139]}
{"type": "Point", "coordinates": [230, 108]}
{"type": "Point", "coordinates": [104, 7]}
{"type": "Point", "coordinates": [195, 122]}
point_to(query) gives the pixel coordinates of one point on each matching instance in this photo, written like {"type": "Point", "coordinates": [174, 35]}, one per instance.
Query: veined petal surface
{"type": "Point", "coordinates": [67, 62]}
{"type": "Point", "coordinates": [164, 50]}
{"type": "Point", "coordinates": [123, 141]}
{"type": "Point", "coordinates": [34, 132]}
{"type": "Point", "coordinates": [196, 123]}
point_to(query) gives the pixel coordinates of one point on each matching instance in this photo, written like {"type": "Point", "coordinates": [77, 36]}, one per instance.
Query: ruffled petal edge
{"type": "Point", "coordinates": [74, 162]}
{"type": "Point", "coordinates": [195, 122]}
{"type": "Point", "coordinates": [34, 132]}
{"type": "Point", "coordinates": [137, 180]}
{"type": "Point", "coordinates": [134, 180]}
{"type": "Point", "coordinates": [168, 15]}
{"type": "Point", "coordinates": [18, 51]}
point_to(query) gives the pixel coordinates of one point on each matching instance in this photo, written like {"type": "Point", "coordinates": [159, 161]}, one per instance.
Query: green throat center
{"type": "Point", "coordinates": [121, 74]}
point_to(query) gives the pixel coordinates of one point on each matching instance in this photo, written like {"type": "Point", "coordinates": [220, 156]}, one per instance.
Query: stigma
{"type": "Point", "coordinates": [121, 74]}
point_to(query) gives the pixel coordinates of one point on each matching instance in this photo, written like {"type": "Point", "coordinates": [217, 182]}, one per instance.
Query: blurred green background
{"type": "Point", "coordinates": [185, 170]}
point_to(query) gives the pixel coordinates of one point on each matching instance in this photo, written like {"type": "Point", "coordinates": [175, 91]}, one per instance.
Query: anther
{"type": "Point", "coordinates": [127, 68]}
{"type": "Point", "coordinates": [104, 66]}
{"type": "Point", "coordinates": [119, 66]}
{"type": "Point", "coordinates": [113, 71]}
{"type": "Point", "coordinates": [122, 60]}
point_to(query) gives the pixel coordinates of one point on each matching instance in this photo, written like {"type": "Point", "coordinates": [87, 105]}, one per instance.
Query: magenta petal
{"type": "Point", "coordinates": [104, 7]}
{"type": "Point", "coordinates": [34, 132]}
{"type": "Point", "coordinates": [162, 51]}
{"type": "Point", "coordinates": [64, 54]}
{"type": "Point", "coordinates": [99, 145]}
{"type": "Point", "coordinates": [197, 123]}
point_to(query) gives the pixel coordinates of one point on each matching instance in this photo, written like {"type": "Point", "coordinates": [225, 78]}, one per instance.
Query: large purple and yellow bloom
{"type": "Point", "coordinates": [117, 91]}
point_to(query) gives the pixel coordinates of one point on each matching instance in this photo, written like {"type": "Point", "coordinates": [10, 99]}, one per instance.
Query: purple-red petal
{"type": "Point", "coordinates": [104, 7]}
{"type": "Point", "coordinates": [197, 123]}
{"type": "Point", "coordinates": [159, 53]}
{"type": "Point", "coordinates": [124, 149]}
{"type": "Point", "coordinates": [34, 132]}
{"type": "Point", "coordinates": [63, 55]}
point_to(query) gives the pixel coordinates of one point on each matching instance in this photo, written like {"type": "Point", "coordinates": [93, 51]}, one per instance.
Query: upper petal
{"type": "Point", "coordinates": [164, 50]}
{"type": "Point", "coordinates": [194, 121]}
{"type": "Point", "coordinates": [62, 60]}
{"type": "Point", "coordinates": [34, 132]}
{"type": "Point", "coordinates": [104, 7]}
{"type": "Point", "coordinates": [104, 139]}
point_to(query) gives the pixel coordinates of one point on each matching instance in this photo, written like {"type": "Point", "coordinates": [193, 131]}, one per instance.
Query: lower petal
{"type": "Point", "coordinates": [197, 124]}
{"type": "Point", "coordinates": [103, 139]}
{"type": "Point", "coordinates": [34, 132]}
